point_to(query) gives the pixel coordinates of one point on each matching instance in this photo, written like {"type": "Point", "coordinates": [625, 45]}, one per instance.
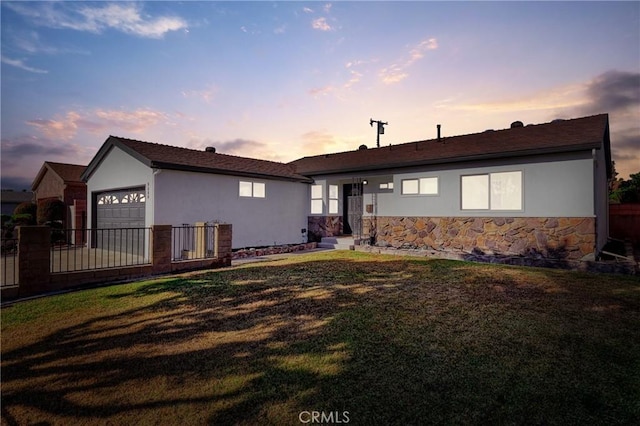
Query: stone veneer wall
{"type": "Point", "coordinates": [568, 238]}
{"type": "Point", "coordinates": [324, 226]}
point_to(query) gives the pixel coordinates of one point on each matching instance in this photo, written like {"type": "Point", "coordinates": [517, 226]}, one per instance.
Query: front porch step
{"type": "Point", "coordinates": [337, 243]}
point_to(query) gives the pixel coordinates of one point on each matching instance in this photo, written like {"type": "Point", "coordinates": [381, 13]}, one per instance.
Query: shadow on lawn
{"type": "Point", "coordinates": [394, 342]}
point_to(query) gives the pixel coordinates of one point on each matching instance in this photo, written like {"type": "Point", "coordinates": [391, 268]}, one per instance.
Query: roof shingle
{"type": "Point", "coordinates": [172, 157]}
{"type": "Point", "coordinates": [557, 136]}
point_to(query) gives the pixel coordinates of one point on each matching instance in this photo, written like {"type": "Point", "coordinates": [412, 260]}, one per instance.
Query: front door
{"type": "Point", "coordinates": [352, 208]}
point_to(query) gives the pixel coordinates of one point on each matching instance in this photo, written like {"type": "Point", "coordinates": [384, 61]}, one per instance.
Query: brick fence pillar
{"type": "Point", "coordinates": [223, 243]}
{"type": "Point", "coordinates": [161, 248]}
{"type": "Point", "coordinates": [34, 259]}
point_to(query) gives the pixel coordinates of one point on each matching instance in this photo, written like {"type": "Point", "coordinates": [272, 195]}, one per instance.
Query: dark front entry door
{"type": "Point", "coordinates": [352, 208]}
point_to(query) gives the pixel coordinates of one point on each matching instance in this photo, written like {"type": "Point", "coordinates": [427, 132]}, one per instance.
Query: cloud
{"type": "Point", "coordinates": [321, 24]}
{"type": "Point", "coordinates": [206, 95]}
{"type": "Point", "coordinates": [307, 10]}
{"type": "Point", "coordinates": [123, 17]}
{"type": "Point", "coordinates": [67, 126]}
{"type": "Point", "coordinates": [397, 72]}
{"type": "Point", "coordinates": [613, 91]}
{"type": "Point", "coordinates": [16, 183]}
{"type": "Point", "coordinates": [16, 149]}
{"type": "Point", "coordinates": [19, 63]}
{"type": "Point", "coordinates": [240, 147]}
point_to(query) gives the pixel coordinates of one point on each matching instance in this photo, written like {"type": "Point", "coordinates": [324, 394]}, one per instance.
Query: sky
{"type": "Point", "coordinates": [284, 80]}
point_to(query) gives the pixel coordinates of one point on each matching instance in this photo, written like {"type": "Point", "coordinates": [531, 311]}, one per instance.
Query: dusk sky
{"type": "Point", "coordinates": [282, 80]}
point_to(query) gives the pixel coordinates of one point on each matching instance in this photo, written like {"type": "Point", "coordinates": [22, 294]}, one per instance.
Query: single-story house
{"type": "Point", "coordinates": [60, 181]}
{"type": "Point", "coordinates": [536, 190]}
{"type": "Point", "coordinates": [133, 184]}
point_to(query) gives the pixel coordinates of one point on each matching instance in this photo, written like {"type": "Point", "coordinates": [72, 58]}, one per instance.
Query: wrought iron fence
{"type": "Point", "coordinates": [107, 248]}
{"type": "Point", "coordinates": [191, 242]}
{"type": "Point", "coordinates": [9, 262]}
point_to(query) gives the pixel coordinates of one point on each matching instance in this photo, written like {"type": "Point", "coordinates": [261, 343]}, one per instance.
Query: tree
{"type": "Point", "coordinates": [25, 213]}
{"type": "Point", "coordinates": [626, 191]}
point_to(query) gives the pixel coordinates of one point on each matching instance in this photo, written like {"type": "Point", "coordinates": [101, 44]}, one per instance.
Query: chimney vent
{"type": "Point", "coordinates": [516, 124]}
{"type": "Point", "coordinates": [362, 147]}
{"type": "Point", "coordinates": [438, 126]}
{"type": "Point", "coordinates": [210, 149]}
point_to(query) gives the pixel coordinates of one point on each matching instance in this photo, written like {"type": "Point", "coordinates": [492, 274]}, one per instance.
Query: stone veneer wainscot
{"type": "Point", "coordinates": [557, 238]}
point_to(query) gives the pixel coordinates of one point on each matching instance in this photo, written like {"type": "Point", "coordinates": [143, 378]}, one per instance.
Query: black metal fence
{"type": "Point", "coordinates": [109, 248]}
{"type": "Point", "coordinates": [189, 242]}
{"type": "Point", "coordinates": [9, 262]}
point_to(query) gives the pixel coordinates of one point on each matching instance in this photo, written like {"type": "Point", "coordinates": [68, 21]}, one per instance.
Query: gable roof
{"type": "Point", "coordinates": [176, 158]}
{"type": "Point", "coordinates": [68, 173]}
{"type": "Point", "coordinates": [558, 136]}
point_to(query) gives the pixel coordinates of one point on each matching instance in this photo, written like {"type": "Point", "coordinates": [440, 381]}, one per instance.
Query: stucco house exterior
{"type": "Point", "coordinates": [63, 182]}
{"type": "Point", "coordinates": [133, 183]}
{"type": "Point", "coordinates": [535, 190]}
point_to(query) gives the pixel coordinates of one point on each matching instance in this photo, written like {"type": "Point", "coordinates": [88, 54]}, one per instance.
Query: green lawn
{"type": "Point", "coordinates": [388, 340]}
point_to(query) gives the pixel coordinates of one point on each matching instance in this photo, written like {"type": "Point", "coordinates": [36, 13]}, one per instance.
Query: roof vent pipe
{"type": "Point", "coordinates": [210, 149]}
{"type": "Point", "coordinates": [438, 126]}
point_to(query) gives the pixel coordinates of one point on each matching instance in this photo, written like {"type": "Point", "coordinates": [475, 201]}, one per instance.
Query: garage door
{"type": "Point", "coordinates": [120, 215]}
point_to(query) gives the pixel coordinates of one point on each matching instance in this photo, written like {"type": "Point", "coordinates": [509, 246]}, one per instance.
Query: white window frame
{"type": "Point", "coordinates": [493, 193]}
{"type": "Point", "coordinates": [255, 189]}
{"type": "Point", "coordinates": [387, 185]}
{"type": "Point", "coordinates": [422, 185]}
{"type": "Point", "coordinates": [333, 199]}
{"type": "Point", "coordinates": [317, 205]}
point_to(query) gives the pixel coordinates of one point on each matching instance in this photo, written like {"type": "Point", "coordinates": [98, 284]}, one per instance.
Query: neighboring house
{"type": "Point", "coordinates": [138, 184]}
{"type": "Point", "coordinates": [536, 190]}
{"type": "Point", "coordinates": [10, 200]}
{"type": "Point", "coordinates": [63, 182]}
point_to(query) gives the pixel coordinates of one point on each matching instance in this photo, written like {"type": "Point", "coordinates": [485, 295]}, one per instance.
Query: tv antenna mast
{"type": "Point", "coordinates": [380, 131]}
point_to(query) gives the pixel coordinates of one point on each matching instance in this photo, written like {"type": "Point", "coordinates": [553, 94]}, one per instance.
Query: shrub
{"type": "Point", "coordinates": [27, 208]}
{"type": "Point", "coordinates": [22, 219]}
{"type": "Point", "coordinates": [5, 219]}
{"type": "Point", "coordinates": [51, 211]}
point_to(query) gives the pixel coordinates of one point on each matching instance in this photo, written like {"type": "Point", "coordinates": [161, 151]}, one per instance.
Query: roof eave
{"type": "Point", "coordinates": [479, 157]}
{"type": "Point", "coordinates": [213, 170]}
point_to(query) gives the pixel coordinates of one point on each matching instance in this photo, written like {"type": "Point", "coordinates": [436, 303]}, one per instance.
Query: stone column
{"type": "Point", "coordinates": [34, 259]}
{"type": "Point", "coordinates": [161, 249]}
{"type": "Point", "coordinates": [222, 248]}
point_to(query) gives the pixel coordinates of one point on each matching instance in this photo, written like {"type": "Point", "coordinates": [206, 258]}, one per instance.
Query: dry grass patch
{"type": "Point", "coordinates": [390, 340]}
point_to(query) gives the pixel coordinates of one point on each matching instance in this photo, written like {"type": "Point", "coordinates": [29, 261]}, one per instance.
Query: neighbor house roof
{"type": "Point", "coordinates": [68, 173]}
{"type": "Point", "coordinates": [176, 158]}
{"type": "Point", "coordinates": [9, 196]}
{"type": "Point", "coordinates": [555, 137]}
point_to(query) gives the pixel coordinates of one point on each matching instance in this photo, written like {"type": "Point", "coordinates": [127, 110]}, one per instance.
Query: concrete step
{"type": "Point", "coordinates": [337, 243]}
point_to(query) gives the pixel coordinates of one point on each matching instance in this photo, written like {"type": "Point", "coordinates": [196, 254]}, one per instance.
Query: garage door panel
{"type": "Point", "coordinates": [113, 210]}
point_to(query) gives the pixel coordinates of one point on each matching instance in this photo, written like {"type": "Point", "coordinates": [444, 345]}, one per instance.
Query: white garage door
{"type": "Point", "coordinates": [122, 213]}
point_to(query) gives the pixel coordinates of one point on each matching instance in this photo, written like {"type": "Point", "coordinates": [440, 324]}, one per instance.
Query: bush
{"type": "Point", "coordinates": [5, 219]}
{"type": "Point", "coordinates": [22, 219]}
{"type": "Point", "coordinates": [27, 208]}
{"type": "Point", "coordinates": [51, 211]}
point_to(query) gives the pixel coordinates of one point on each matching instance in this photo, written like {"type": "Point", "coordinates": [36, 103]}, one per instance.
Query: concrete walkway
{"type": "Point", "coordinates": [272, 257]}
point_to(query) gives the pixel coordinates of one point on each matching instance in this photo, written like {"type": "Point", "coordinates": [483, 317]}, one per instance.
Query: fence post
{"type": "Point", "coordinates": [34, 259]}
{"type": "Point", "coordinates": [222, 247]}
{"type": "Point", "coordinates": [161, 249]}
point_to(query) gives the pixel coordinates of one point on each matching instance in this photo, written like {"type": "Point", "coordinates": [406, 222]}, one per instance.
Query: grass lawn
{"type": "Point", "coordinates": [387, 340]}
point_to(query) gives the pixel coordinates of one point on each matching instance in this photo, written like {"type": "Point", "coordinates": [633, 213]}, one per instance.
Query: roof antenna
{"type": "Point", "coordinates": [381, 125]}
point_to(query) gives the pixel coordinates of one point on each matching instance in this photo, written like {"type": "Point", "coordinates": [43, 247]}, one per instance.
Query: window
{"type": "Point", "coordinates": [333, 199]}
{"type": "Point", "coordinates": [252, 189]}
{"type": "Point", "coordinates": [316, 199]}
{"type": "Point", "coordinates": [421, 186]}
{"type": "Point", "coordinates": [388, 185]}
{"type": "Point", "coordinates": [493, 191]}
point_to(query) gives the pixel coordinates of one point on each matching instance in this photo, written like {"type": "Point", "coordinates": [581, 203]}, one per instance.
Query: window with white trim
{"type": "Point", "coordinates": [252, 189]}
{"type": "Point", "coordinates": [386, 185]}
{"type": "Point", "coordinates": [420, 186]}
{"type": "Point", "coordinates": [316, 199]}
{"type": "Point", "coordinates": [492, 191]}
{"type": "Point", "coordinates": [333, 199]}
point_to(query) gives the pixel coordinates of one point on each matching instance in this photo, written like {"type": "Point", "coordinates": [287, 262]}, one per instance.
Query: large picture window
{"type": "Point", "coordinates": [492, 191]}
{"type": "Point", "coordinates": [421, 186]}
